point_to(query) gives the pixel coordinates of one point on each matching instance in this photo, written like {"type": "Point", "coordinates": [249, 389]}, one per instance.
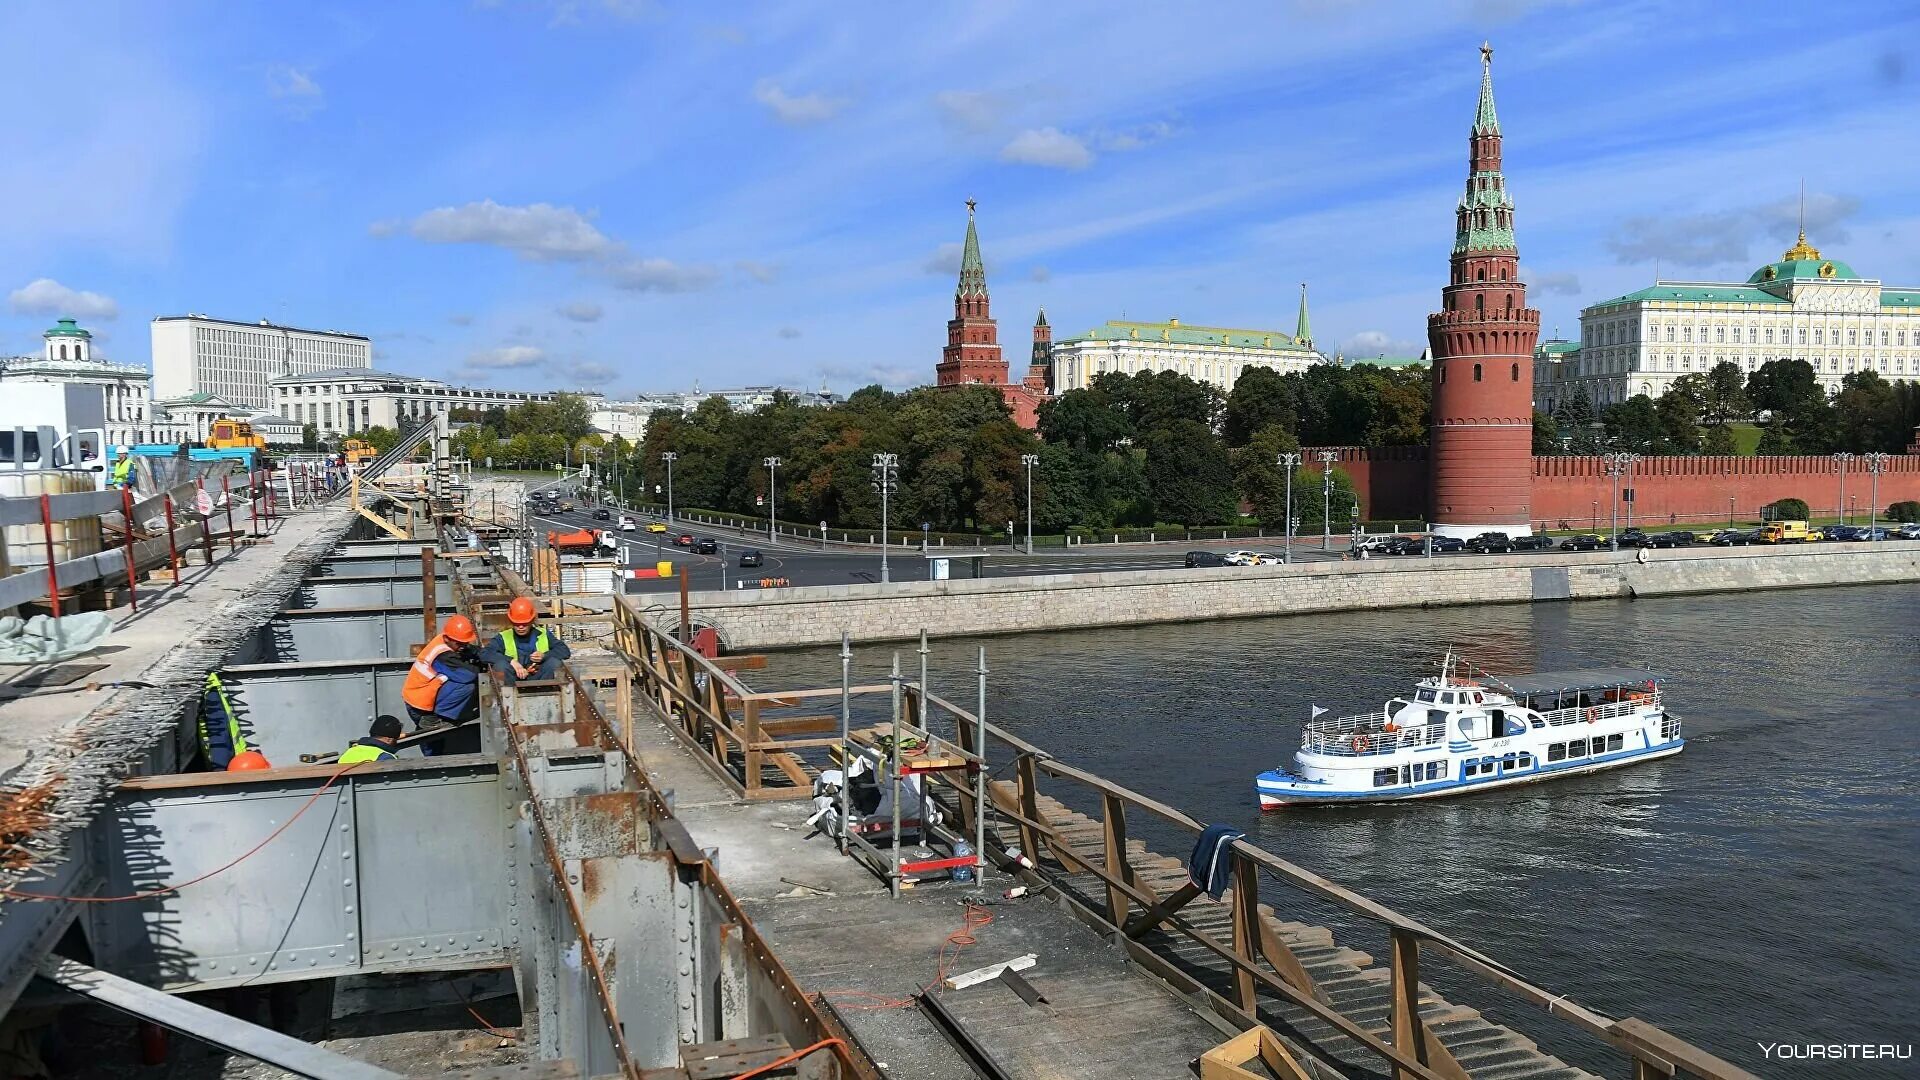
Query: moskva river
{"type": "Point", "coordinates": [1761, 888]}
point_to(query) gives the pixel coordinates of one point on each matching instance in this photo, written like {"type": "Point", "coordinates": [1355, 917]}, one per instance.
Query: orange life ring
{"type": "Point", "coordinates": [1360, 744]}
{"type": "Point", "coordinates": [1593, 716]}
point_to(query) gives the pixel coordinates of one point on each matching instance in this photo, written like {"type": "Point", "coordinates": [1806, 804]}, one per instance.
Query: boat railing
{"type": "Point", "coordinates": [1638, 701]}
{"type": "Point", "coordinates": [1365, 735]}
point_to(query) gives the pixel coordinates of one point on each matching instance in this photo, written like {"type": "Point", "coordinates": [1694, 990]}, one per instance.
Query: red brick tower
{"type": "Point", "coordinates": [1482, 447]}
{"type": "Point", "coordinates": [972, 354]}
{"type": "Point", "coordinates": [1039, 378]}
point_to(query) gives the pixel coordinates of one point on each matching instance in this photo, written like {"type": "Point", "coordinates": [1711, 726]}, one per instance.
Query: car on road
{"type": "Point", "coordinates": [1878, 532]}
{"type": "Point", "coordinates": [566, 506]}
{"type": "Point", "coordinates": [749, 557]}
{"type": "Point", "coordinates": [1447, 545]}
{"type": "Point", "coordinates": [1205, 558]}
{"type": "Point", "coordinates": [1533, 543]}
{"type": "Point", "coordinates": [652, 526]}
{"type": "Point", "coordinates": [1668, 540]}
{"type": "Point", "coordinates": [1403, 545]}
{"type": "Point", "coordinates": [705, 547]}
{"type": "Point", "coordinates": [1908, 531]}
{"type": "Point", "coordinates": [1262, 558]}
{"type": "Point", "coordinates": [1583, 542]}
{"type": "Point", "coordinates": [1488, 543]}
{"type": "Point", "coordinates": [601, 513]}
{"type": "Point", "coordinates": [1844, 532]}
{"type": "Point", "coordinates": [1735, 537]}
{"type": "Point", "coordinates": [1705, 536]}
{"type": "Point", "coordinates": [627, 524]}
{"type": "Point", "coordinates": [684, 540]}
{"type": "Point", "coordinates": [1240, 558]}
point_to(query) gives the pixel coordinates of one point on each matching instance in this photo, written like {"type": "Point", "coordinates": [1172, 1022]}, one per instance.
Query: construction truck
{"type": "Point", "coordinates": [360, 451]}
{"type": "Point", "coordinates": [230, 434]}
{"type": "Point", "coordinates": [577, 542]}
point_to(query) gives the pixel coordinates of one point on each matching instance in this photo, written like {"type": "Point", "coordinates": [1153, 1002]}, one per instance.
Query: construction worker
{"type": "Point", "coordinates": [122, 468]}
{"type": "Point", "coordinates": [440, 686]}
{"type": "Point", "coordinates": [378, 745]}
{"type": "Point", "coordinates": [528, 650]}
{"type": "Point", "coordinates": [220, 735]}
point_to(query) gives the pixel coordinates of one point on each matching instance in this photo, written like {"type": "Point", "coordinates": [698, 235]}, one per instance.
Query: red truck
{"type": "Point", "coordinates": [578, 542]}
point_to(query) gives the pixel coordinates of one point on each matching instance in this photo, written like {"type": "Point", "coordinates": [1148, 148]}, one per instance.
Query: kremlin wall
{"type": "Point", "coordinates": [1478, 473]}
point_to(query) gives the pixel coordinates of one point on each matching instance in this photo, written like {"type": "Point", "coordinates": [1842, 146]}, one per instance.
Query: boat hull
{"type": "Point", "coordinates": [1277, 790]}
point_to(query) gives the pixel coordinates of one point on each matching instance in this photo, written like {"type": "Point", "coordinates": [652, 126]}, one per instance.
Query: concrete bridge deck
{"type": "Point", "coordinates": [862, 950]}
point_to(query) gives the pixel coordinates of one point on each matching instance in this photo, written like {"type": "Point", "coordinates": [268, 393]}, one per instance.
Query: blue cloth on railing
{"type": "Point", "coordinates": [1210, 866]}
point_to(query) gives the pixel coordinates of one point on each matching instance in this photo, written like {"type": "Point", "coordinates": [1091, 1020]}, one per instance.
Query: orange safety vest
{"type": "Point", "coordinates": [423, 683]}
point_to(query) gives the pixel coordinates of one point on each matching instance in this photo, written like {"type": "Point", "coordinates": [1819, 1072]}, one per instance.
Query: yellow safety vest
{"type": "Point", "coordinates": [359, 752]}
{"type": "Point", "coordinates": [540, 642]}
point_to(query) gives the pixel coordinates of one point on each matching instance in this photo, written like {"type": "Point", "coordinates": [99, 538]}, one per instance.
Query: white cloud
{"type": "Point", "coordinates": [1049, 148]}
{"type": "Point", "coordinates": [1040, 273]}
{"type": "Point", "coordinates": [892, 377]}
{"type": "Point", "coordinates": [805, 109]}
{"type": "Point", "coordinates": [588, 372]}
{"type": "Point", "coordinates": [45, 296]}
{"type": "Point", "coordinates": [1713, 239]}
{"type": "Point", "coordinates": [580, 312]}
{"type": "Point", "coordinates": [296, 91]}
{"type": "Point", "coordinates": [764, 273]}
{"type": "Point", "coordinates": [1368, 344]}
{"type": "Point", "coordinates": [661, 275]}
{"type": "Point", "coordinates": [973, 111]}
{"type": "Point", "coordinates": [944, 260]}
{"type": "Point", "coordinates": [539, 232]}
{"type": "Point", "coordinates": [1135, 138]}
{"type": "Point", "coordinates": [789, 332]}
{"type": "Point", "coordinates": [1560, 283]}
{"type": "Point", "coordinates": [460, 319]}
{"type": "Point", "coordinates": [506, 357]}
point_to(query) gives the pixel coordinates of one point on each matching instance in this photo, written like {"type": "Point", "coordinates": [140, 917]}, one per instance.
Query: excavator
{"type": "Point", "coordinates": [228, 434]}
{"type": "Point", "coordinates": [359, 452]}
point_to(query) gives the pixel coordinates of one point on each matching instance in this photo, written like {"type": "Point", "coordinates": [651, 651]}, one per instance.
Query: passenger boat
{"type": "Point", "coordinates": [1470, 732]}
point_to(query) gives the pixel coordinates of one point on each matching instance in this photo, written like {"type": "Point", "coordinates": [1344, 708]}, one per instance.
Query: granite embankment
{"type": "Point", "coordinates": [787, 618]}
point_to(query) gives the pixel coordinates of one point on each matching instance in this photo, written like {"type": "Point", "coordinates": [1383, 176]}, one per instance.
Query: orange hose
{"type": "Point", "coordinates": [788, 1060]}
{"type": "Point", "coordinates": [15, 894]}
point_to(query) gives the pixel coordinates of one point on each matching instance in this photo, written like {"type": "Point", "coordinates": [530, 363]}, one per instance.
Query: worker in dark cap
{"type": "Point", "coordinates": [378, 745]}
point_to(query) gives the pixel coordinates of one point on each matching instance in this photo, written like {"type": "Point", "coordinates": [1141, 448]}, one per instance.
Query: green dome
{"type": "Point", "coordinates": [68, 328]}
{"type": "Point", "coordinates": [1801, 268]}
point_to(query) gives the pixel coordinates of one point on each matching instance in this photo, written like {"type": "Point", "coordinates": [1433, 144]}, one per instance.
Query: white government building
{"type": "Point", "coordinates": [234, 361]}
{"type": "Point", "coordinates": [628, 419]}
{"type": "Point", "coordinates": [347, 400]}
{"type": "Point", "coordinates": [1209, 354]}
{"type": "Point", "coordinates": [1804, 307]}
{"type": "Point", "coordinates": [67, 357]}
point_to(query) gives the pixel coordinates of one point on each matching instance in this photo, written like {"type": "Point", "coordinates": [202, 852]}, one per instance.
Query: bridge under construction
{"type": "Point", "coordinates": [628, 870]}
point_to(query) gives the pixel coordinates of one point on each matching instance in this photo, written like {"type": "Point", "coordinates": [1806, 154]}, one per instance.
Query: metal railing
{"type": "Point", "coordinates": [1603, 711]}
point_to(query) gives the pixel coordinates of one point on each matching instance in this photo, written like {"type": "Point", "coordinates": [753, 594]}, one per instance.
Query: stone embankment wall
{"type": "Point", "coordinates": [786, 618]}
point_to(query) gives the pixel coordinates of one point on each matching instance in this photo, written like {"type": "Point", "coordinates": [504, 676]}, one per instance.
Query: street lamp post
{"type": "Point", "coordinates": [1730, 500]}
{"type": "Point", "coordinates": [1840, 505]}
{"type": "Point", "coordinates": [1289, 462]}
{"type": "Point", "coordinates": [1618, 464]}
{"type": "Point", "coordinates": [1326, 499]}
{"type": "Point", "coordinates": [1029, 460]}
{"type": "Point", "coordinates": [1876, 461]}
{"type": "Point", "coordinates": [773, 497]}
{"type": "Point", "coordinates": [669, 457]}
{"type": "Point", "coordinates": [885, 468]}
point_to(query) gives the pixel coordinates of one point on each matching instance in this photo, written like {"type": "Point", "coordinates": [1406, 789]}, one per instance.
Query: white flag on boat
{"type": "Point", "coordinates": [1315, 714]}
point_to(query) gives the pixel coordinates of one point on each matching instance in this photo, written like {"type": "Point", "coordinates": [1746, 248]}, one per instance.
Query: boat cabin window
{"type": "Point", "coordinates": [1557, 752]}
{"type": "Point", "coordinates": [1446, 698]}
{"type": "Point", "coordinates": [1537, 723]}
{"type": "Point", "coordinates": [1470, 769]}
{"type": "Point", "coordinates": [1525, 762]}
{"type": "Point", "coordinates": [1577, 748]}
{"type": "Point", "coordinates": [1385, 777]}
{"type": "Point", "coordinates": [1615, 742]}
{"type": "Point", "coordinates": [1424, 695]}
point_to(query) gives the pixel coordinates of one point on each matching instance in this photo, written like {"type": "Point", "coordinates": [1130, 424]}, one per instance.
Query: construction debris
{"type": "Point", "coordinates": [991, 971]}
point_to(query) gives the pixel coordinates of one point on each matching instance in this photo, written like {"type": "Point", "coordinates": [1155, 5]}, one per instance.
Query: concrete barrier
{"type": "Point", "coordinates": [788, 618]}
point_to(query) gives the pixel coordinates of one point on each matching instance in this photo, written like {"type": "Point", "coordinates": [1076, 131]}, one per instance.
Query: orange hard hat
{"type": "Point", "coordinates": [520, 612]}
{"type": "Point", "coordinates": [459, 628]}
{"type": "Point", "coordinates": [248, 760]}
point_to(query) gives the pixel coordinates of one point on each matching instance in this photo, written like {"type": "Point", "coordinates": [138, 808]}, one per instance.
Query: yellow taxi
{"type": "Point", "coordinates": [656, 527]}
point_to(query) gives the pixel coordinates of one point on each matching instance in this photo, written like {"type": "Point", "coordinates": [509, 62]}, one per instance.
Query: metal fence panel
{"type": "Point", "coordinates": [432, 846]}
{"type": "Point", "coordinates": [318, 708]}
{"type": "Point", "coordinates": [373, 592]}
{"type": "Point", "coordinates": [318, 635]}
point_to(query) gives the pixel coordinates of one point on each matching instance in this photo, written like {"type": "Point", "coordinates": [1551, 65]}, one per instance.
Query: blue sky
{"type": "Point", "coordinates": [628, 195]}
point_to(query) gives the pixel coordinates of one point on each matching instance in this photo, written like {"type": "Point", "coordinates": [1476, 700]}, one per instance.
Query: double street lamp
{"type": "Point", "coordinates": [1876, 461]}
{"type": "Point", "coordinates": [1029, 460]}
{"type": "Point", "coordinates": [669, 457]}
{"type": "Point", "coordinates": [1288, 463]}
{"type": "Point", "coordinates": [1326, 499]}
{"type": "Point", "coordinates": [1840, 507]}
{"type": "Point", "coordinates": [886, 468]}
{"type": "Point", "coordinates": [773, 497]}
{"type": "Point", "coordinates": [1618, 464]}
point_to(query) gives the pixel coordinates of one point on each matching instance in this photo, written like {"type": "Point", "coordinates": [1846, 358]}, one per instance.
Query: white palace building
{"type": "Point", "coordinates": [1804, 307]}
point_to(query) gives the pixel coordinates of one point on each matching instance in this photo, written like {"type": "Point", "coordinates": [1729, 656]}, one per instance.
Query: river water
{"type": "Point", "coordinates": [1761, 887]}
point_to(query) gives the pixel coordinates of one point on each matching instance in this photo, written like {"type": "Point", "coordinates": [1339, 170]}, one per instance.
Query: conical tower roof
{"type": "Point", "coordinates": [1303, 331]}
{"type": "Point", "coordinates": [1485, 120]}
{"type": "Point", "coordinates": [973, 272]}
